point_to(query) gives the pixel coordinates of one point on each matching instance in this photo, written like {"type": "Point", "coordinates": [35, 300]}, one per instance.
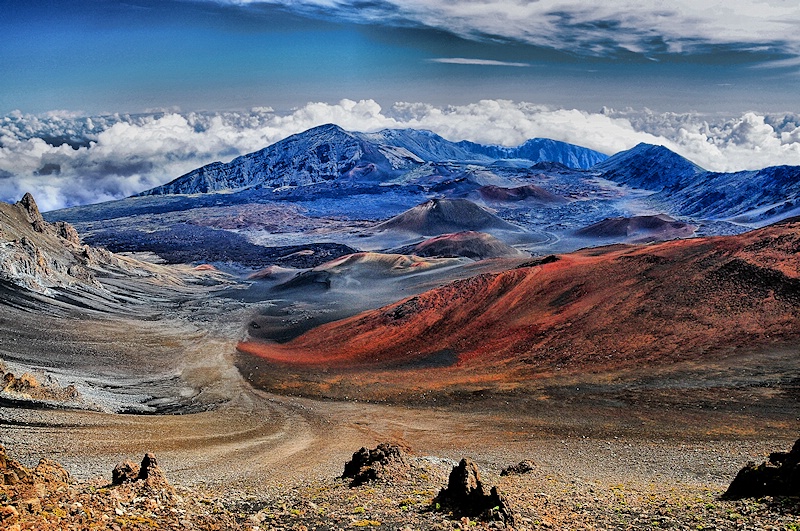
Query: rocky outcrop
{"type": "Point", "coordinates": [779, 476]}
{"type": "Point", "coordinates": [39, 256]}
{"type": "Point", "coordinates": [29, 387]}
{"type": "Point", "coordinates": [31, 210]}
{"type": "Point", "coordinates": [23, 489]}
{"type": "Point", "coordinates": [149, 472]}
{"type": "Point", "coordinates": [466, 495]}
{"type": "Point", "coordinates": [125, 472]}
{"type": "Point", "coordinates": [386, 463]}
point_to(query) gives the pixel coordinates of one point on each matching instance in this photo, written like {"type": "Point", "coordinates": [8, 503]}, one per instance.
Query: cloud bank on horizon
{"type": "Point", "coordinates": [67, 160]}
{"type": "Point", "coordinates": [587, 27]}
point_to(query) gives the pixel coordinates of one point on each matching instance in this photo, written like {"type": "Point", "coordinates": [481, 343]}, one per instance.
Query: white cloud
{"type": "Point", "coordinates": [109, 157]}
{"type": "Point", "coordinates": [478, 62]}
{"type": "Point", "coordinates": [585, 26]}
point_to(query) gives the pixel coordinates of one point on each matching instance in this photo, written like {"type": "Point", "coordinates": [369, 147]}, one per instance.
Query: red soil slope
{"type": "Point", "coordinates": [597, 309]}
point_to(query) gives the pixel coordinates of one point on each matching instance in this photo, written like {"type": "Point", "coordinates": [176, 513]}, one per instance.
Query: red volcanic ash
{"type": "Point", "coordinates": [596, 309]}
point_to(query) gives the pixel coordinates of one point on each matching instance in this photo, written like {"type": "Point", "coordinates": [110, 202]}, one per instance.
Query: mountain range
{"type": "Point", "coordinates": [328, 160]}
{"type": "Point", "coordinates": [328, 152]}
{"type": "Point", "coordinates": [686, 189]}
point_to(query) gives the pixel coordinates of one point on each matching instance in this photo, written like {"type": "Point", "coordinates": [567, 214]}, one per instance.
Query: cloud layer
{"type": "Point", "coordinates": [590, 27]}
{"type": "Point", "coordinates": [479, 62]}
{"type": "Point", "coordinates": [67, 160]}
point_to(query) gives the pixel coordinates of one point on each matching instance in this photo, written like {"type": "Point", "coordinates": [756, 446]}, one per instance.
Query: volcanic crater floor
{"type": "Point", "coordinates": [636, 449]}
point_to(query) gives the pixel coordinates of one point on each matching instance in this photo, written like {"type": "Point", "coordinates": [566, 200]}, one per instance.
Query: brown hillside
{"type": "Point", "coordinates": [529, 192]}
{"type": "Point", "coordinates": [639, 229]}
{"type": "Point", "coordinates": [470, 244]}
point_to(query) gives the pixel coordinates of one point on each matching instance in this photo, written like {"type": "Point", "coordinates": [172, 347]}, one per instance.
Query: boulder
{"type": "Point", "coordinates": [149, 472]}
{"type": "Point", "coordinates": [523, 467]}
{"type": "Point", "coordinates": [387, 461]}
{"type": "Point", "coordinates": [124, 472]}
{"type": "Point", "coordinates": [779, 476]}
{"type": "Point", "coordinates": [50, 472]}
{"type": "Point", "coordinates": [466, 495]}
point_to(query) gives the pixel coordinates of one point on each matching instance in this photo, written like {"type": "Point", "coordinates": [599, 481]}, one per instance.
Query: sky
{"type": "Point", "coordinates": [144, 90]}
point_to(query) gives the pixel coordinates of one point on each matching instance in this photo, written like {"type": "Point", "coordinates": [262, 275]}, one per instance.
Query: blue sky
{"type": "Point", "coordinates": [99, 56]}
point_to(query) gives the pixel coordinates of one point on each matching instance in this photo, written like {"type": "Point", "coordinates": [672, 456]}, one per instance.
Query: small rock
{"type": "Point", "coordinates": [51, 472]}
{"type": "Point", "coordinates": [523, 467]}
{"type": "Point", "coordinates": [31, 505]}
{"type": "Point", "coordinates": [8, 514]}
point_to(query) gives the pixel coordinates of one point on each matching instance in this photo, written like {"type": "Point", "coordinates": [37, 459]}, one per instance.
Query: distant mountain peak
{"type": "Point", "coordinates": [648, 166]}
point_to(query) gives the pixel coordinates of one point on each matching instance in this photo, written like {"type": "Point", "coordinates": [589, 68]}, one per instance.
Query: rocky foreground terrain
{"type": "Point", "coordinates": [384, 488]}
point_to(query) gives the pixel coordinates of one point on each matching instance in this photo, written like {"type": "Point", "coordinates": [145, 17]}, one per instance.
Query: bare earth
{"type": "Point", "coordinates": [629, 451]}
{"type": "Point", "coordinates": [156, 371]}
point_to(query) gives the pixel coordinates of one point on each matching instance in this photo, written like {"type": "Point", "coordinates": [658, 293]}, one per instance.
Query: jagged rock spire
{"type": "Point", "coordinates": [28, 205]}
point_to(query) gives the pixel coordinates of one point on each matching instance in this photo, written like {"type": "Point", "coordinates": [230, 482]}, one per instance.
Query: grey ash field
{"type": "Point", "coordinates": [187, 337]}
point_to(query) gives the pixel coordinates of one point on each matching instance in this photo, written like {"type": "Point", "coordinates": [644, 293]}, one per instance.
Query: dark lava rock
{"type": "Point", "coordinates": [148, 471]}
{"type": "Point", "coordinates": [523, 467]}
{"type": "Point", "coordinates": [549, 259]}
{"type": "Point", "coordinates": [124, 472]}
{"type": "Point", "coordinates": [779, 476]}
{"type": "Point", "coordinates": [387, 461]}
{"type": "Point", "coordinates": [466, 495]}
